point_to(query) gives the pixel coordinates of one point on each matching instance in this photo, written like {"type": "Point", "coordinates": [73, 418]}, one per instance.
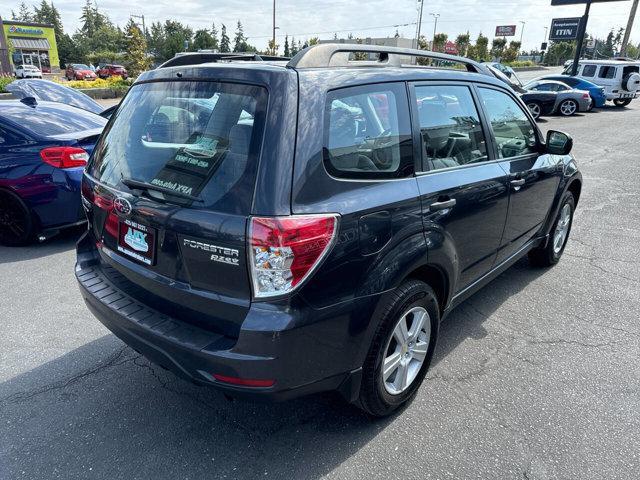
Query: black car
{"type": "Point", "coordinates": [276, 229]}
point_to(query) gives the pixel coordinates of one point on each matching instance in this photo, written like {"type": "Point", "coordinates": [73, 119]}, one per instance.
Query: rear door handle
{"type": "Point", "coordinates": [434, 207]}
{"type": "Point", "coordinates": [517, 183]}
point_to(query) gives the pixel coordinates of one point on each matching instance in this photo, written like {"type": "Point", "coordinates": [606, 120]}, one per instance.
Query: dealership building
{"type": "Point", "coordinates": [27, 43]}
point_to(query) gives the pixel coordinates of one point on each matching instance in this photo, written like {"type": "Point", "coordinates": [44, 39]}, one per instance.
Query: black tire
{"type": "Point", "coordinates": [535, 108]}
{"type": "Point", "coordinates": [16, 221]}
{"type": "Point", "coordinates": [568, 107]}
{"type": "Point", "coordinates": [549, 255]}
{"type": "Point", "coordinates": [374, 398]}
{"type": "Point", "coordinates": [620, 102]}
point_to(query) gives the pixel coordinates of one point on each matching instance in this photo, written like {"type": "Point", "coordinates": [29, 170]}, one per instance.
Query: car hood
{"type": "Point", "coordinates": [48, 91]}
{"type": "Point", "coordinates": [84, 72]}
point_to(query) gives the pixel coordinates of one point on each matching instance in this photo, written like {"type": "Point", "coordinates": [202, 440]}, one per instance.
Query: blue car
{"type": "Point", "coordinates": [598, 96]}
{"type": "Point", "coordinates": [44, 147]}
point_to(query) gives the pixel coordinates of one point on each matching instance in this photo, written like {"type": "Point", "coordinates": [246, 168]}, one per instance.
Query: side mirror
{"type": "Point", "coordinates": [559, 143]}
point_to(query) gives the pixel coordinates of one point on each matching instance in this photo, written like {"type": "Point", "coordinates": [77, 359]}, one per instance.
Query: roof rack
{"type": "Point", "coordinates": [196, 58]}
{"type": "Point", "coordinates": [337, 54]}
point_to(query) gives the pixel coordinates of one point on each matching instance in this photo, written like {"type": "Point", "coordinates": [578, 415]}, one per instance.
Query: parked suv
{"type": "Point", "coordinates": [620, 79]}
{"type": "Point", "coordinates": [276, 229]}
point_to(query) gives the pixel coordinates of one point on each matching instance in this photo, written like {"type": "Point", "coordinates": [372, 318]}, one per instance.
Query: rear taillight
{"type": "Point", "coordinates": [64, 157]}
{"type": "Point", "coordinates": [285, 250]}
{"type": "Point", "coordinates": [585, 95]}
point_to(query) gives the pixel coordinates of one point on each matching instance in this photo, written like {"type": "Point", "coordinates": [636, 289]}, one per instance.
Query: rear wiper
{"type": "Point", "coordinates": [136, 184]}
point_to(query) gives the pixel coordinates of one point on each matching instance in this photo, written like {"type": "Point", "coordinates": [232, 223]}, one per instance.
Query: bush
{"type": "Point", "coordinates": [116, 83]}
{"type": "Point", "coordinates": [4, 81]}
{"type": "Point", "coordinates": [521, 63]}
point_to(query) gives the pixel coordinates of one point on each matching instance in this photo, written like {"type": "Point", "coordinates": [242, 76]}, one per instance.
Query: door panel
{"type": "Point", "coordinates": [464, 194]}
{"type": "Point", "coordinates": [533, 178]}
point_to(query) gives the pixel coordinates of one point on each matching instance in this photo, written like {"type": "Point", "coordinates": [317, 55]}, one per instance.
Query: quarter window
{"type": "Point", "coordinates": [588, 70]}
{"type": "Point", "coordinates": [450, 129]}
{"type": "Point", "coordinates": [607, 71]}
{"type": "Point", "coordinates": [368, 134]}
{"type": "Point", "coordinates": [514, 133]}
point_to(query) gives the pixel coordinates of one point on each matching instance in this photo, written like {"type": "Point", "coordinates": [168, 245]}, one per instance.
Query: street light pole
{"type": "Point", "coordinates": [435, 27]}
{"type": "Point", "coordinates": [273, 39]}
{"type": "Point", "coordinates": [419, 24]}
{"type": "Point", "coordinates": [522, 32]}
{"type": "Point", "coordinates": [627, 32]}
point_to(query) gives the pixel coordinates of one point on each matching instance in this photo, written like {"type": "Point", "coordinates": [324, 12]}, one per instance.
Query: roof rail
{"type": "Point", "coordinates": [196, 58]}
{"type": "Point", "coordinates": [322, 55]}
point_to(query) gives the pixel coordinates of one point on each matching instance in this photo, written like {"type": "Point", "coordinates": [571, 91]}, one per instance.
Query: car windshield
{"type": "Point", "coordinates": [80, 66]}
{"type": "Point", "coordinates": [198, 138]}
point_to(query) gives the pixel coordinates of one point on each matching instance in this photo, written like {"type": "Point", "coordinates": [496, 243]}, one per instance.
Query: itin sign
{"type": "Point", "coordinates": [564, 28]}
{"type": "Point", "coordinates": [505, 30]}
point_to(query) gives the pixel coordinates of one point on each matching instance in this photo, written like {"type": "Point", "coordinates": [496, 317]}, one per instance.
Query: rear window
{"type": "Point", "coordinates": [47, 120]}
{"type": "Point", "coordinates": [197, 138]}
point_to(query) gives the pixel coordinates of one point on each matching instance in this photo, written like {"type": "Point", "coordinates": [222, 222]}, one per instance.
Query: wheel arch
{"type": "Point", "coordinates": [575, 187]}
{"type": "Point", "coordinates": [436, 278]}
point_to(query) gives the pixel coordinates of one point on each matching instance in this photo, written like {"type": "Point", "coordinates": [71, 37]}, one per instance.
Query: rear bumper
{"type": "Point", "coordinates": [292, 357]}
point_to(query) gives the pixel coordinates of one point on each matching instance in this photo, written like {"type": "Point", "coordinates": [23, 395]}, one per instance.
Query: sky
{"type": "Point", "coordinates": [364, 18]}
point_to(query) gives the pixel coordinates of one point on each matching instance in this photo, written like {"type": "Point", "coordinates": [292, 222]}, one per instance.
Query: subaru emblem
{"type": "Point", "coordinates": [122, 205]}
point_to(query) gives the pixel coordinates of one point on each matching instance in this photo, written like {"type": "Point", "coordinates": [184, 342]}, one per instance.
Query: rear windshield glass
{"type": "Point", "coordinates": [51, 119]}
{"type": "Point", "coordinates": [197, 138]}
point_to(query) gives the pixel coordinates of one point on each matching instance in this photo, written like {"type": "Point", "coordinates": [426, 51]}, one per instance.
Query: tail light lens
{"type": "Point", "coordinates": [585, 95]}
{"type": "Point", "coordinates": [285, 250]}
{"type": "Point", "coordinates": [64, 157]}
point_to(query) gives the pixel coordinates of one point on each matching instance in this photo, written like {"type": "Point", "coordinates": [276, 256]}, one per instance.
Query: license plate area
{"type": "Point", "coordinates": [137, 241]}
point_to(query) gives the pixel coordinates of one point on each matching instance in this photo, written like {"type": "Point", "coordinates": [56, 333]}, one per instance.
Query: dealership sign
{"type": "Point", "coordinates": [564, 28]}
{"type": "Point", "coordinates": [27, 30]}
{"type": "Point", "coordinates": [505, 30]}
{"type": "Point", "coordinates": [450, 48]}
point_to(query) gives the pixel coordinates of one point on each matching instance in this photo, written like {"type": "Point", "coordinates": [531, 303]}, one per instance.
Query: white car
{"type": "Point", "coordinates": [620, 79]}
{"type": "Point", "coordinates": [28, 71]}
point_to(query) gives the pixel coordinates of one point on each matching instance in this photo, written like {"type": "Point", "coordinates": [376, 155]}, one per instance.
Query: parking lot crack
{"type": "Point", "coordinates": [114, 360]}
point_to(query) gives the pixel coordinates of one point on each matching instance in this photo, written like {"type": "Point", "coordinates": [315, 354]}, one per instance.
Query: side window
{"type": "Point", "coordinates": [513, 131]}
{"type": "Point", "coordinates": [368, 132]}
{"type": "Point", "coordinates": [588, 70]}
{"type": "Point", "coordinates": [607, 71]}
{"type": "Point", "coordinates": [450, 127]}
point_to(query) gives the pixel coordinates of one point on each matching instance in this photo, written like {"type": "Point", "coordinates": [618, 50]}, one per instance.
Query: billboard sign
{"type": "Point", "coordinates": [505, 30]}
{"type": "Point", "coordinates": [564, 28]}
{"type": "Point", "coordinates": [450, 48]}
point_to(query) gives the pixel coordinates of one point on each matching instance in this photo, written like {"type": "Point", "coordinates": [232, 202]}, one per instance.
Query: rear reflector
{"type": "Point", "coordinates": [285, 250]}
{"type": "Point", "coordinates": [244, 382]}
{"type": "Point", "coordinates": [64, 157]}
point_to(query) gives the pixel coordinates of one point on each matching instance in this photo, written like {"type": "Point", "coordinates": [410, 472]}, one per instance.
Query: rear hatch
{"type": "Point", "coordinates": [170, 189]}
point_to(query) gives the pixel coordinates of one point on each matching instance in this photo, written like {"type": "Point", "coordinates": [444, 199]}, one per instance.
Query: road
{"type": "Point", "coordinates": [535, 377]}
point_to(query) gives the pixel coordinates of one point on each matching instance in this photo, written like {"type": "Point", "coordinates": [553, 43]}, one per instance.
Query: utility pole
{"type": "Point", "coordinates": [435, 27]}
{"type": "Point", "coordinates": [581, 31]}
{"type": "Point", "coordinates": [273, 39]}
{"type": "Point", "coordinates": [522, 32]}
{"type": "Point", "coordinates": [627, 32]}
{"type": "Point", "coordinates": [419, 24]}
{"type": "Point", "coordinates": [144, 28]}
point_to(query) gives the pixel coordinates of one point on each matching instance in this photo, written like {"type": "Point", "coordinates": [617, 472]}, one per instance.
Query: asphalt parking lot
{"type": "Point", "coordinates": [535, 377]}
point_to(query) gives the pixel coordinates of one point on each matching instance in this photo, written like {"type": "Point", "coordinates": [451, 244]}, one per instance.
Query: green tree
{"type": "Point", "coordinates": [214, 35]}
{"type": "Point", "coordinates": [225, 45]}
{"type": "Point", "coordinates": [559, 52]}
{"type": "Point", "coordinates": [136, 57]}
{"type": "Point", "coordinates": [481, 48]}
{"type": "Point", "coordinates": [23, 15]}
{"type": "Point", "coordinates": [273, 47]}
{"type": "Point", "coordinates": [294, 47]}
{"type": "Point", "coordinates": [240, 41]}
{"type": "Point", "coordinates": [287, 51]}
{"type": "Point", "coordinates": [202, 40]}
{"type": "Point", "coordinates": [497, 47]}
{"type": "Point", "coordinates": [313, 41]}
{"type": "Point", "coordinates": [462, 43]}
{"type": "Point", "coordinates": [175, 36]}
{"type": "Point", "coordinates": [439, 40]}
{"type": "Point", "coordinates": [511, 54]}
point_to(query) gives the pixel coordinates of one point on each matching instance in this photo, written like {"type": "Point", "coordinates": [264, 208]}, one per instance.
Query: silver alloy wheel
{"type": "Point", "coordinates": [535, 110]}
{"type": "Point", "coordinates": [568, 108]}
{"type": "Point", "coordinates": [562, 228]}
{"type": "Point", "coordinates": [406, 350]}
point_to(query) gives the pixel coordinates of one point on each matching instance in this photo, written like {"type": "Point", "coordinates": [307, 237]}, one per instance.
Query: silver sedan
{"type": "Point", "coordinates": [568, 100]}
